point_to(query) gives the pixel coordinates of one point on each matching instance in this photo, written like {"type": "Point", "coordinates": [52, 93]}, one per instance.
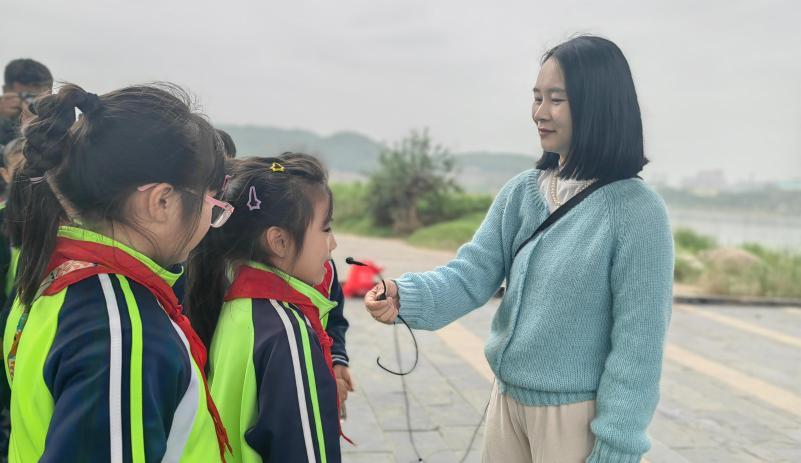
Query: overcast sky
{"type": "Point", "coordinates": [719, 81]}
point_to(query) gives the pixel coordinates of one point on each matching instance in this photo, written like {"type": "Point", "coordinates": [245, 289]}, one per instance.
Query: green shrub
{"type": "Point", "coordinates": [691, 241]}
{"type": "Point", "coordinates": [408, 171]}
{"type": "Point", "coordinates": [688, 267]}
{"type": "Point", "coordinates": [781, 276]}
{"type": "Point", "coordinates": [349, 200]}
{"type": "Point", "coordinates": [732, 272]}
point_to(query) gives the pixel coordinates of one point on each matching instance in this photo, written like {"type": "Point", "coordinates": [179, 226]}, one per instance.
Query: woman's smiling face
{"type": "Point", "coordinates": [551, 109]}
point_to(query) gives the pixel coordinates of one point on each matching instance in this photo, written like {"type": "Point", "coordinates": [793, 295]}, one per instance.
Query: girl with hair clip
{"type": "Point", "coordinates": [102, 364]}
{"type": "Point", "coordinates": [270, 363]}
{"type": "Point", "coordinates": [586, 250]}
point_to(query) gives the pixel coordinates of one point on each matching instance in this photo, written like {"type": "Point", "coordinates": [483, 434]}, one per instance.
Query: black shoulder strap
{"type": "Point", "coordinates": [562, 210]}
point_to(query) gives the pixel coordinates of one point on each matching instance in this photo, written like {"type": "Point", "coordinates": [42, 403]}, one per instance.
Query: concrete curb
{"type": "Point", "coordinates": [736, 301]}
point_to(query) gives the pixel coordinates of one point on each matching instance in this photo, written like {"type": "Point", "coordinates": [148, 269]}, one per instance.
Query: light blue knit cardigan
{"type": "Point", "coordinates": [586, 310]}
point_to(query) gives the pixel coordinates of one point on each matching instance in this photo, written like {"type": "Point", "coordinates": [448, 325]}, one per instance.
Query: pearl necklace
{"type": "Point", "coordinates": [553, 184]}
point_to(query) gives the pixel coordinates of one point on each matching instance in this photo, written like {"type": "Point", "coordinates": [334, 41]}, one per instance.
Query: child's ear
{"type": "Point", "coordinates": [277, 242]}
{"type": "Point", "coordinates": [159, 200]}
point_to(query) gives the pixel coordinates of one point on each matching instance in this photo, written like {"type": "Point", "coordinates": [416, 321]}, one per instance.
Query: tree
{"type": "Point", "coordinates": [409, 171]}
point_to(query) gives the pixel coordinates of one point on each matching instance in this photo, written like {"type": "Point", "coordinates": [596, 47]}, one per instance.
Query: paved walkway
{"type": "Point", "coordinates": [731, 388]}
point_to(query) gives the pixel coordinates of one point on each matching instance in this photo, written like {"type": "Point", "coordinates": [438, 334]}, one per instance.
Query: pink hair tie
{"type": "Point", "coordinates": [35, 180]}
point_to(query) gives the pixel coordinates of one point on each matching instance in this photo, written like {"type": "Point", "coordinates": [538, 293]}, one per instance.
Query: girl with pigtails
{"type": "Point", "coordinates": [102, 363]}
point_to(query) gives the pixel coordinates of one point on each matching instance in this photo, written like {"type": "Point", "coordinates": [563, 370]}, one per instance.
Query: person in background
{"type": "Point", "coordinates": [11, 159]}
{"type": "Point", "coordinates": [228, 144]}
{"type": "Point", "coordinates": [25, 79]}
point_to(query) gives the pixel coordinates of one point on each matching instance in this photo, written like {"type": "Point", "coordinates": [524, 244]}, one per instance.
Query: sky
{"type": "Point", "coordinates": [719, 82]}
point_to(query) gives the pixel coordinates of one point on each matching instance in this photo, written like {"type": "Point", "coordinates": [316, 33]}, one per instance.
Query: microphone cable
{"type": "Point", "coordinates": [401, 373]}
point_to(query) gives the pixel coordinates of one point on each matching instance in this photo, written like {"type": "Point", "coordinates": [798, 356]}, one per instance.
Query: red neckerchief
{"type": "Point", "coordinates": [328, 280]}
{"type": "Point", "coordinates": [253, 283]}
{"type": "Point", "coordinates": [113, 260]}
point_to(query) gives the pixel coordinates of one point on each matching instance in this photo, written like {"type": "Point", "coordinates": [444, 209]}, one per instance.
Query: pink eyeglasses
{"type": "Point", "coordinates": [220, 210]}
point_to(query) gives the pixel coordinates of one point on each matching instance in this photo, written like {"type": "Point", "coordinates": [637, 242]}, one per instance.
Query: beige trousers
{"type": "Point", "coordinates": [516, 433]}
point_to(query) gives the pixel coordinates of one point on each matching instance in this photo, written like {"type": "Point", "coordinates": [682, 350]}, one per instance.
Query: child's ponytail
{"type": "Point", "coordinates": [207, 282]}
{"type": "Point", "coordinates": [85, 169]}
{"type": "Point", "coordinates": [48, 141]}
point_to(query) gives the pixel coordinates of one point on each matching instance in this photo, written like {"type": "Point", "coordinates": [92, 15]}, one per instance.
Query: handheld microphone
{"type": "Point", "coordinates": [352, 261]}
{"type": "Point", "coordinates": [382, 297]}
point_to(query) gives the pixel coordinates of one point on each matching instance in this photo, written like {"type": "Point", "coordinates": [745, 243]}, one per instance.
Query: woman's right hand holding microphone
{"type": "Point", "coordinates": [382, 309]}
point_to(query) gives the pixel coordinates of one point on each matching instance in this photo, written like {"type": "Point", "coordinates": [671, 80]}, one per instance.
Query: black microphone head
{"type": "Point", "coordinates": [352, 261]}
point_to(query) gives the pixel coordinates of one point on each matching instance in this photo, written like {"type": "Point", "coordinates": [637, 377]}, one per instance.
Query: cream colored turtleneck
{"type": "Point", "coordinates": [565, 189]}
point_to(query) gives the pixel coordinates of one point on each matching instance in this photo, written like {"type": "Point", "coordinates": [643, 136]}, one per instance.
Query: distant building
{"type": "Point", "coordinates": [706, 183]}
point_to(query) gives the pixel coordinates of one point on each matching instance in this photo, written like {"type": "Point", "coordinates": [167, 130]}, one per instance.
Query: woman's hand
{"type": "Point", "coordinates": [385, 311]}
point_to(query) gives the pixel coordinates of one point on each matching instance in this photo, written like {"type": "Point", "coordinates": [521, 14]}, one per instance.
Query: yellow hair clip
{"type": "Point", "coordinates": [276, 167]}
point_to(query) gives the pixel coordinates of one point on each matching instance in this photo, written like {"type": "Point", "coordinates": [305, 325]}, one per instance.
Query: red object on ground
{"type": "Point", "coordinates": [361, 279]}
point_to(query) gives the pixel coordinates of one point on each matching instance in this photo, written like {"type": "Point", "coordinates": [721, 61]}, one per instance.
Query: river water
{"type": "Point", "coordinates": [732, 229]}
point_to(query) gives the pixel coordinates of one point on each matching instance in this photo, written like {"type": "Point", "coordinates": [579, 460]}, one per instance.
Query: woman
{"type": "Point", "coordinates": [576, 345]}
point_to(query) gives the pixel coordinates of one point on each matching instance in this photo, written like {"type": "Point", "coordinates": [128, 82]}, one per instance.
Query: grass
{"type": "Point", "coordinates": [362, 226]}
{"type": "Point", "coordinates": [447, 235]}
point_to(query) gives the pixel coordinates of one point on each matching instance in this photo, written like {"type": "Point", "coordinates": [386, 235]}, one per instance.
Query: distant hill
{"type": "Point", "coordinates": [489, 171]}
{"type": "Point", "coordinates": [350, 155]}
